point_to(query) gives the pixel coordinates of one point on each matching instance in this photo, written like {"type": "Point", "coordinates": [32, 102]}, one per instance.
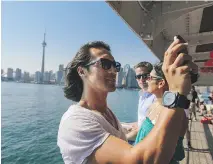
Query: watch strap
{"type": "Point", "coordinates": [182, 102]}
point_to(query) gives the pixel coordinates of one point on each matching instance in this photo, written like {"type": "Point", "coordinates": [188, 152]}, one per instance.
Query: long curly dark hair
{"type": "Point", "coordinates": [73, 83]}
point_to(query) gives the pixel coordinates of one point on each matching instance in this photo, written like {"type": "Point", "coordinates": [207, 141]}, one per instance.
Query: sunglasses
{"type": "Point", "coordinates": [154, 78]}
{"type": "Point", "coordinates": [106, 64]}
{"type": "Point", "coordinates": [143, 76]}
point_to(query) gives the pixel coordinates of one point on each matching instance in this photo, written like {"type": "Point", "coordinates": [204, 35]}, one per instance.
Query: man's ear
{"type": "Point", "coordinates": [81, 71]}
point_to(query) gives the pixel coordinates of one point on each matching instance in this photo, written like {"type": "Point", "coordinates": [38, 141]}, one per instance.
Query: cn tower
{"type": "Point", "coordinates": [43, 58]}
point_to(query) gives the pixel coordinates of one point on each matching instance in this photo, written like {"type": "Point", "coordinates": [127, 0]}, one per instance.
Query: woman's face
{"type": "Point", "coordinates": [97, 77]}
{"type": "Point", "coordinates": [156, 84]}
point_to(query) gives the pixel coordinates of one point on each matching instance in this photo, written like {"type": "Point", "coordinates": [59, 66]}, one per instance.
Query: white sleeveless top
{"type": "Point", "coordinates": [81, 131]}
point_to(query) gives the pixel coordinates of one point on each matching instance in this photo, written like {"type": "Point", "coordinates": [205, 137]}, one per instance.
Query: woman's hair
{"type": "Point", "coordinates": [159, 72]}
{"type": "Point", "coordinates": [73, 83]}
{"type": "Point", "coordinates": [158, 69]}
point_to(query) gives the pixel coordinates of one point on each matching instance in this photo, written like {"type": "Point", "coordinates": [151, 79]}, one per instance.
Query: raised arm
{"type": "Point", "coordinates": [159, 145]}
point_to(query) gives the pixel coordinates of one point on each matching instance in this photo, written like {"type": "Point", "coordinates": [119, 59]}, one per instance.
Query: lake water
{"type": "Point", "coordinates": [30, 118]}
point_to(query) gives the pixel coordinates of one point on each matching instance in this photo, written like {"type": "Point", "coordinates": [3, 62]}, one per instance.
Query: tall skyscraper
{"type": "Point", "coordinates": [130, 77]}
{"type": "Point", "coordinates": [37, 77]}
{"type": "Point", "coordinates": [59, 74]}
{"type": "Point", "coordinates": [119, 78]}
{"type": "Point", "coordinates": [18, 74]}
{"type": "Point", "coordinates": [26, 77]}
{"type": "Point", "coordinates": [61, 67]}
{"type": "Point", "coordinates": [46, 77]}
{"type": "Point", "coordinates": [32, 77]}
{"type": "Point", "coordinates": [10, 74]}
{"type": "Point", "coordinates": [43, 60]}
{"type": "Point", "coordinates": [125, 81]}
{"type": "Point", "coordinates": [64, 76]}
{"type": "Point", "coordinates": [52, 75]}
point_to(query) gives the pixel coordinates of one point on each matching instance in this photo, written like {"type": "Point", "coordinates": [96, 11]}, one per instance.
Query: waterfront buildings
{"type": "Point", "coordinates": [18, 74]}
{"type": "Point", "coordinates": [126, 78]}
{"type": "Point", "coordinates": [37, 77]}
{"type": "Point", "coordinates": [26, 77]}
{"type": "Point", "coordinates": [59, 74]}
{"type": "Point", "coordinates": [9, 74]}
{"type": "Point", "coordinates": [119, 78]}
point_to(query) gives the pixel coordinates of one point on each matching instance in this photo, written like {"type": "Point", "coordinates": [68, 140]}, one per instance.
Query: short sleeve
{"type": "Point", "coordinates": [79, 135]}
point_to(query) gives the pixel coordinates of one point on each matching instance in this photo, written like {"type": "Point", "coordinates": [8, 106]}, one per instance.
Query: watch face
{"type": "Point", "coordinates": [169, 98]}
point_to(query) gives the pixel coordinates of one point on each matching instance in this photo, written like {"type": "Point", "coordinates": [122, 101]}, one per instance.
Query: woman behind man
{"type": "Point", "coordinates": [157, 85]}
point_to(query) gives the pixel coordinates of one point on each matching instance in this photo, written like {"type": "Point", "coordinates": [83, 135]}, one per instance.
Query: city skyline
{"type": "Point", "coordinates": [44, 70]}
{"type": "Point", "coordinates": [49, 77]}
{"type": "Point", "coordinates": [67, 29]}
{"type": "Point", "coordinates": [125, 77]}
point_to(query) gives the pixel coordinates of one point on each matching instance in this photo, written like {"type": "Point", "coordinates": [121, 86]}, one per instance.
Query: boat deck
{"type": "Point", "coordinates": [202, 144]}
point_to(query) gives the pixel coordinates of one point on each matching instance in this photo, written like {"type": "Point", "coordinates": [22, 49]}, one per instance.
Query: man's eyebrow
{"type": "Point", "coordinates": [104, 52]}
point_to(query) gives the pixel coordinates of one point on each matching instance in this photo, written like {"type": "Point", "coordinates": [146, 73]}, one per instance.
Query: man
{"type": "Point", "coordinates": [89, 132]}
{"type": "Point", "coordinates": [188, 134]}
{"type": "Point", "coordinates": [142, 71]}
{"type": "Point", "coordinates": [193, 105]}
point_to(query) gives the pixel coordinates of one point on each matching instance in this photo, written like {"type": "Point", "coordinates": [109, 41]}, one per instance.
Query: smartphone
{"type": "Point", "coordinates": [185, 50]}
{"type": "Point", "coordinates": [194, 77]}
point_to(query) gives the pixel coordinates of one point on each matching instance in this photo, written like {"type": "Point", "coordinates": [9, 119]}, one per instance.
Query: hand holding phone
{"type": "Point", "coordinates": [194, 76]}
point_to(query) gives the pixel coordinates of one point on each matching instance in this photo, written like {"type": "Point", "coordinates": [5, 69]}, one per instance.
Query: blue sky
{"type": "Point", "coordinates": [68, 26]}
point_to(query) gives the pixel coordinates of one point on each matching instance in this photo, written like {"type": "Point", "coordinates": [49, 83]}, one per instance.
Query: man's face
{"type": "Point", "coordinates": [141, 77]}
{"type": "Point", "coordinates": [97, 77]}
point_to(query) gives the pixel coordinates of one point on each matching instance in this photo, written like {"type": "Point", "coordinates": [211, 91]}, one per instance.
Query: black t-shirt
{"type": "Point", "coordinates": [194, 96]}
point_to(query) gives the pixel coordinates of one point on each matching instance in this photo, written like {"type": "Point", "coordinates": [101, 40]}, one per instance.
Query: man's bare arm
{"type": "Point", "coordinates": [159, 145]}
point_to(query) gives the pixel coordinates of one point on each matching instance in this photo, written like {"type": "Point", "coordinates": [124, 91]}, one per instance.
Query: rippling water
{"type": "Point", "coordinates": [30, 118]}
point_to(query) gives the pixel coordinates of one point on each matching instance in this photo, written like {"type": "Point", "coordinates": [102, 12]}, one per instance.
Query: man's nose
{"type": "Point", "coordinates": [113, 70]}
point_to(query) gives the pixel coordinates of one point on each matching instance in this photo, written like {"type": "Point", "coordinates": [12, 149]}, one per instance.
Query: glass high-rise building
{"type": "Point", "coordinates": [61, 67]}
{"type": "Point", "coordinates": [26, 77]}
{"type": "Point", "coordinates": [37, 77]}
{"type": "Point", "coordinates": [46, 77]}
{"type": "Point", "coordinates": [10, 74]}
{"type": "Point", "coordinates": [119, 78]}
{"type": "Point", "coordinates": [18, 74]}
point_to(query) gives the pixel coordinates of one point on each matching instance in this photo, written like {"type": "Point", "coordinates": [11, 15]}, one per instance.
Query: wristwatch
{"type": "Point", "coordinates": [175, 100]}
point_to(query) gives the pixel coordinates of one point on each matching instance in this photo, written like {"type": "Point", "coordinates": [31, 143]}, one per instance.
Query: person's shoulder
{"type": "Point", "coordinates": [151, 96]}
{"type": "Point", "coordinates": [76, 113]}
{"type": "Point", "coordinates": [78, 120]}
{"type": "Point", "coordinates": [146, 94]}
{"type": "Point", "coordinates": [140, 92]}
{"type": "Point", "coordinates": [71, 111]}
{"type": "Point", "coordinates": [79, 134]}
